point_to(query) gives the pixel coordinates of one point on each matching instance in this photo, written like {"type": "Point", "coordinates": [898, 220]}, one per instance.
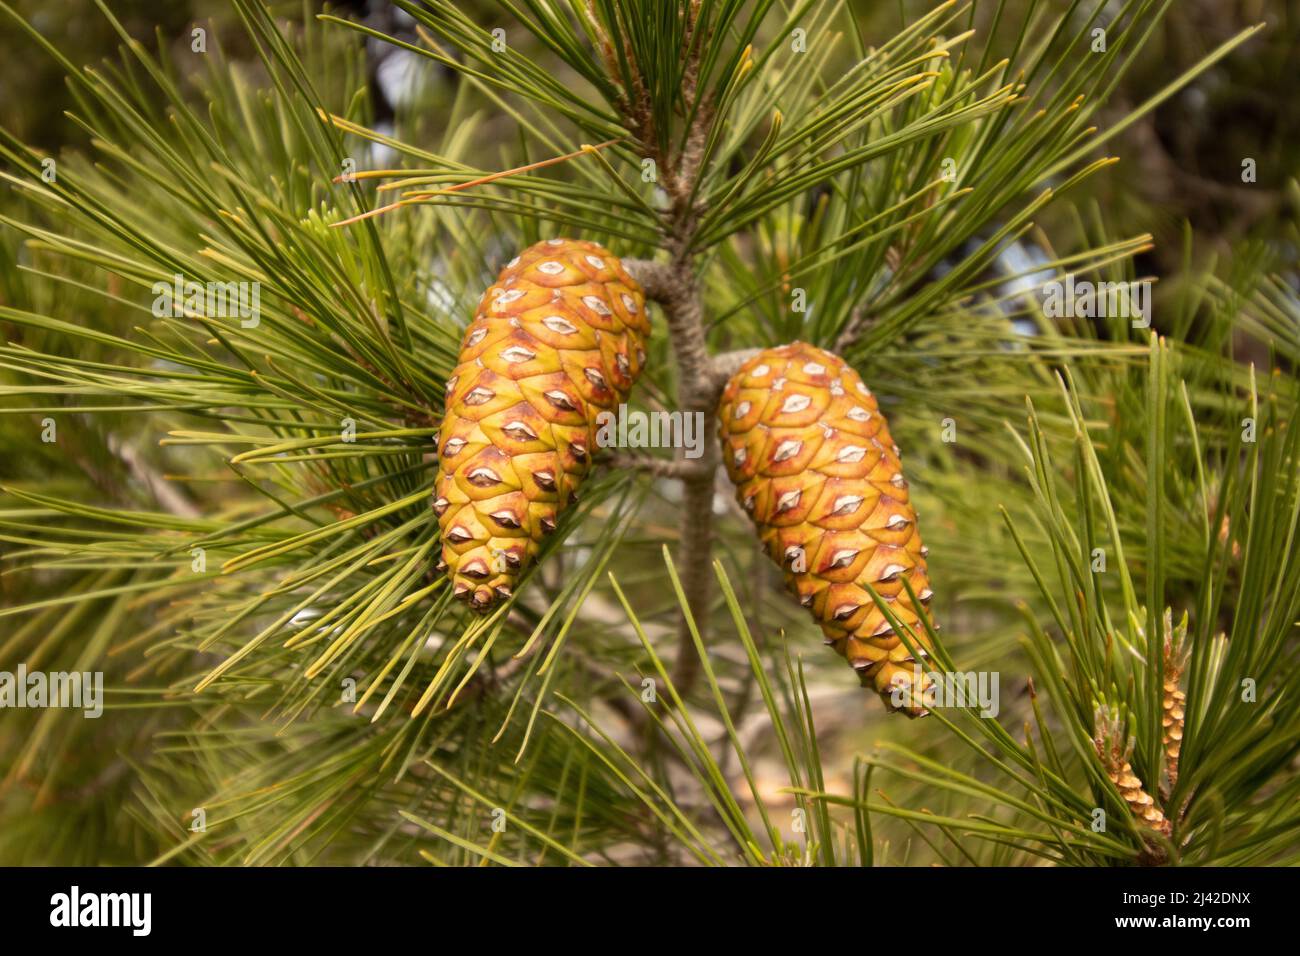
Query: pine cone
{"type": "Point", "coordinates": [559, 337]}
{"type": "Point", "coordinates": [814, 466]}
{"type": "Point", "coordinates": [1115, 752]}
{"type": "Point", "coordinates": [1174, 702]}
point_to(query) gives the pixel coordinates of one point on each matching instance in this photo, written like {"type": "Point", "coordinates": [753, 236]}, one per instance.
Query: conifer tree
{"type": "Point", "coordinates": [241, 359]}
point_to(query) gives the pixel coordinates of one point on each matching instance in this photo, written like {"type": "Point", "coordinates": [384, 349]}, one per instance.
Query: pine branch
{"type": "Point", "coordinates": [682, 469]}
{"type": "Point", "coordinates": [675, 286]}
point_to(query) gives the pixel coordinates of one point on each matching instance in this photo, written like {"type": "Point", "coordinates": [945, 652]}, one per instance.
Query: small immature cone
{"type": "Point", "coordinates": [815, 467]}
{"type": "Point", "coordinates": [557, 338]}
{"type": "Point", "coordinates": [1174, 700]}
{"type": "Point", "coordinates": [1115, 752]}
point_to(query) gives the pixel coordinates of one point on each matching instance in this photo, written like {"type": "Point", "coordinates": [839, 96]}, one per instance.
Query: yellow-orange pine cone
{"type": "Point", "coordinates": [814, 466]}
{"type": "Point", "coordinates": [557, 338]}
